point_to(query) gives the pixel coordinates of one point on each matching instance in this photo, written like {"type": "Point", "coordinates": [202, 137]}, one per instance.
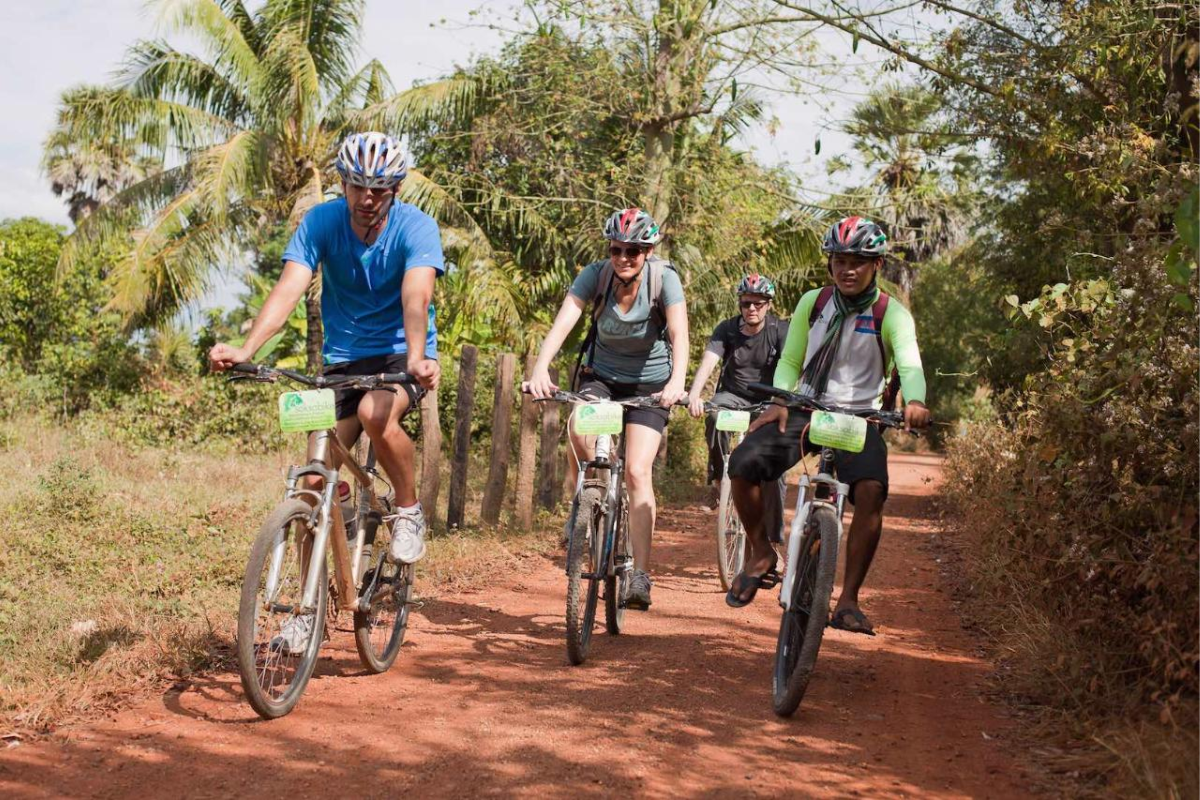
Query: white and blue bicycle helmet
{"type": "Point", "coordinates": [372, 160]}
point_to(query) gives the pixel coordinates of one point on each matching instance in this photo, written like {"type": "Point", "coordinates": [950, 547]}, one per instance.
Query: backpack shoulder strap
{"type": "Point", "coordinates": [892, 390]}
{"type": "Point", "coordinates": [822, 300]}
{"type": "Point", "coordinates": [877, 311]}
{"type": "Point", "coordinates": [773, 326]}
{"type": "Point", "coordinates": [656, 268]}
{"type": "Point", "coordinates": [603, 285]}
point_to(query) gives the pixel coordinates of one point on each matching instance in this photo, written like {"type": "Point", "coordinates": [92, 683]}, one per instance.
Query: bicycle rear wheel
{"type": "Point", "coordinates": [731, 537]}
{"type": "Point", "coordinates": [586, 541]}
{"type": "Point", "coordinates": [387, 590]}
{"type": "Point", "coordinates": [278, 640]}
{"type": "Point", "coordinates": [803, 623]}
{"type": "Point", "coordinates": [616, 584]}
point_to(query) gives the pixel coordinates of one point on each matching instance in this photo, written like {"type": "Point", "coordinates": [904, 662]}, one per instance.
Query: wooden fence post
{"type": "Point", "coordinates": [462, 436]}
{"type": "Point", "coordinates": [527, 453]}
{"type": "Point", "coordinates": [497, 482]}
{"type": "Point", "coordinates": [548, 479]}
{"type": "Point", "coordinates": [431, 457]}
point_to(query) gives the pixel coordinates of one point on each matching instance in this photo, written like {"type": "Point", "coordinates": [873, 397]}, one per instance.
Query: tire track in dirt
{"type": "Point", "coordinates": [482, 701]}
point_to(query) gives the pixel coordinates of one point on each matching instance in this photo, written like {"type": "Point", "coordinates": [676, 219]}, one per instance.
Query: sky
{"type": "Point", "coordinates": [48, 46]}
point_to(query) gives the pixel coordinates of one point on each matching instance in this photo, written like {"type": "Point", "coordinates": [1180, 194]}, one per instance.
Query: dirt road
{"type": "Point", "coordinates": [482, 701]}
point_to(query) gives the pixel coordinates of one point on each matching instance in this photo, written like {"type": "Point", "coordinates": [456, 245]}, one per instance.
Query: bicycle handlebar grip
{"type": "Point", "coordinates": [396, 377]}
{"type": "Point", "coordinates": [246, 367]}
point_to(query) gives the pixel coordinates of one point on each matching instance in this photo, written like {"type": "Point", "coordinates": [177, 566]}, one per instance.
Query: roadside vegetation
{"type": "Point", "coordinates": [1035, 166]}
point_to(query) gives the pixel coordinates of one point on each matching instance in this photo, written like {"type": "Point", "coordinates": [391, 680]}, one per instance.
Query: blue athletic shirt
{"type": "Point", "coordinates": [360, 285]}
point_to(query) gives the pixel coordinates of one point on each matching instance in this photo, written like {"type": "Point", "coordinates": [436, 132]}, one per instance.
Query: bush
{"type": "Point", "coordinates": [202, 413]}
{"type": "Point", "coordinates": [1084, 505]}
{"type": "Point", "coordinates": [55, 326]}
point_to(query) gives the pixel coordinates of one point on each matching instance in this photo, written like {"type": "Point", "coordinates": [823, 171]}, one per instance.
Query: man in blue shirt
{"type": "Point", "coordinates": [380, 259]}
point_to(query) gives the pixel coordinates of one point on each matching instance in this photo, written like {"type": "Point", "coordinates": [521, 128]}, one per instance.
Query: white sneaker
{"type": "Point", "coordinates": [293, 636]}
{"type": "Point", "coordinates": [408, 535]}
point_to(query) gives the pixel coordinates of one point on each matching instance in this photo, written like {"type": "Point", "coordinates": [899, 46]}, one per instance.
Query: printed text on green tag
{"type": "Point", "coordinates": [307, 411]}
{"type": "Point", "coordinates": [597, 418]}
{"type": "Point", "coordinates": [839, 431]}
{"type": "Point", "coordinates": [735, 421]}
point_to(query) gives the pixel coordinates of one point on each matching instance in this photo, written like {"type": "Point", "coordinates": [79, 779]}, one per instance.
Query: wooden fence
{"type": "Point", "coordinates": [539, 474]}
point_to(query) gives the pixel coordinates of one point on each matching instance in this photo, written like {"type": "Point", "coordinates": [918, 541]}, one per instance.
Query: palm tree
{"type": "Point", "coordinates": [921, 185]}
{"type": "Point", "coordinates": [92, 174]}
{"type": "Point", "coordinates": [243, 134]}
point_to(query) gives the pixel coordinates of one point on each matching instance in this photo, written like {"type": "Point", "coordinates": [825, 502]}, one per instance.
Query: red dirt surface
{"type": "Point", "coordinates": [483, 702]}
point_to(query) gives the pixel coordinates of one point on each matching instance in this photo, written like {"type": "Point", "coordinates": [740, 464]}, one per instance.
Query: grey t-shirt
{"type": "Point", "coordinates": [630, 346]}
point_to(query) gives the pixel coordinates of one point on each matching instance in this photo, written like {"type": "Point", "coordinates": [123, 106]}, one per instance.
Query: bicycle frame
{"type": "Point", "coordinates": [346, 567]}
{"type": "Point", "coordinates": [612, 498]}
{"type": "Point", "coordinates": [807, 497]}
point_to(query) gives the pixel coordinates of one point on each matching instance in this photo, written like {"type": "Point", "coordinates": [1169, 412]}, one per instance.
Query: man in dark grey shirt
{"type": "Point", "coordinates": [749, 345]}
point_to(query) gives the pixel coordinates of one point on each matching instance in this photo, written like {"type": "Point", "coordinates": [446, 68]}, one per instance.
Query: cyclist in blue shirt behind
{"type": "Point", "coordinates": [380, 258]}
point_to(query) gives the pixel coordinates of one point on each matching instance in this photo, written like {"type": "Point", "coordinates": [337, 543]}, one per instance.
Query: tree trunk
{"type": "Point", "coordinates": [315, 338]}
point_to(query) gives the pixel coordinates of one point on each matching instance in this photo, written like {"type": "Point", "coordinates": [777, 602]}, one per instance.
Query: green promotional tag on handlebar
{"type": "Point", "coordinates": [839, 431]}
{"type": "Point", "coordinates": [733, 421]}
{"type": "Point", "coordinates": [307, 411]}
{"type": "Point", "coordinates": [599, 418]}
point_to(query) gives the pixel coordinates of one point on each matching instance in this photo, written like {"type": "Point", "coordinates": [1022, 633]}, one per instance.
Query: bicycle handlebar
{"type": "Point", "coordinates": [261, 372]}
{"type": "Point", "coordinates": [890, 419]}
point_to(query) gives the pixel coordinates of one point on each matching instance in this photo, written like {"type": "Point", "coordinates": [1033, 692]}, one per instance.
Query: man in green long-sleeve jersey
{"type": "Point", "coordinates": [840, 344]}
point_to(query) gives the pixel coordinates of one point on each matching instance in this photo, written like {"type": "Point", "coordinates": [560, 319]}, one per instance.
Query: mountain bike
{"type": "Point", "coordinates": [286, 592]}
{"type": "Point", "coordinates": [597, 529]}
{"type": "Point", "coordinates": [811, 564]}
{"type": "Point", "coordinates": [731, 535]}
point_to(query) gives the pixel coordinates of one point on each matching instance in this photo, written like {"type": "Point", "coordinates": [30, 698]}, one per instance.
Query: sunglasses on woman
{"type": "Point", "coordinates": [756, 304]}
{"type": "Point", "coordinates": [628, 252]}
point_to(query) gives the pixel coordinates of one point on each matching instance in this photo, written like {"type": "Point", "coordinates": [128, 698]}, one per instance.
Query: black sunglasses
{"type": "Point", "coordinates": [628, 252]}
{"type": "Point", "coordinates": [753, 303]}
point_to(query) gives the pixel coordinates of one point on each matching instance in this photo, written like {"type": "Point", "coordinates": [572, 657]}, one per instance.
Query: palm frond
{"type": "Point", "coordinates": [155, 69]}
{"type": "Point", "coordinates": [448, 102]}
{"type": "Point", "coordinates": [293, 85]}
{"type": "Point", "coordinates": [370, 85]}
{"type": "Point", "coordinates": [92, 114]}
{"type": "Point", "coordinates": [220, 27]}
{"type": "Point", "coordinates": [246, 23]}
{"type": "Point", "coordinates": [108, 228]}
{"type": "Point", "coordinates": [328, 30]}
{"type": "Point", "coordinates": [229, 172]}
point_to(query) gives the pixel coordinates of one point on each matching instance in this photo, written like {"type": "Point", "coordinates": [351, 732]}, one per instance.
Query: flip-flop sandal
{"type": "Point", "coordinates": [863, 624]}
{"type": "Point", "coordinates": [755, 582]}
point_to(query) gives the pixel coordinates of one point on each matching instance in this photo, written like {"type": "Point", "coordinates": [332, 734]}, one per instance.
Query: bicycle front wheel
{"type": "Point", "coordinates": [731, 537]}
{"type": "Point", "coordinates": [615, 585]}
{"type": "Point", "coordinates": [278, 638]}
{"type": "Point", "coordinates": [803, 623]}
{"type": "Point", "coordinates": [583, 560]}
{"type": "Point", "coordinates": [387, 589]}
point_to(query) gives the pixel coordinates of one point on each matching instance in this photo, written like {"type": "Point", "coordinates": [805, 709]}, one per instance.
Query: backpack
{"type": "Point", "coordinates": [653, 270]}
{"type": "Point", "coordinates": [774, 346]}
{"type": "Point", "coordinates": [892, 390]}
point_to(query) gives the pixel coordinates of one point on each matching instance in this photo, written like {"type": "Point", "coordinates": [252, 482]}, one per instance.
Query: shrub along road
{"type": "Point", "coordinates": [482, 700]}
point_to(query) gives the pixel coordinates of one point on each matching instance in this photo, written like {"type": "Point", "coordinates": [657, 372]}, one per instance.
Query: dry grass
{"type": "Point", "coordinates": [1074, 653]}
{"type": "Point", "coordinates": [120, 566]}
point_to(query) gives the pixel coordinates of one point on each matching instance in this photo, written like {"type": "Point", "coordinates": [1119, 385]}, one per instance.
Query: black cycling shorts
{"type": "Point", "coordinates": [766, 454]}
{"type": "Point", "coordinates": [348, 399]}
{"type": "Point", "coordinates": [653, 417]}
